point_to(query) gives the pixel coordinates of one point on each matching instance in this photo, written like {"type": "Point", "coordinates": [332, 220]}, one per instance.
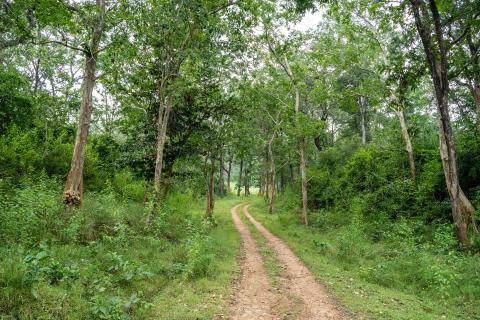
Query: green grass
{"type": "Point", "coordinates": [99, 263]}
{"type": "Point", "coordinates": [207, 297]}
{"type": "Point", "coordinates": [344, 275]}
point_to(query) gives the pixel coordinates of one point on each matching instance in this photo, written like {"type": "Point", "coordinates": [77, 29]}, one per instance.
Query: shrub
{"type": "Point", "coordinates": [322, 247]}
{"type": "Point", "coordinates": [109, 308]}
{"type": "Point", "coordinates": [199, 257]}
{"type": "Point", "coordinates": [32, 211]}
{"type": "Point", "coordinates": [125, 184]}
{"type": "Point", "coordinates": [42, 267]}
{"type": "Point", "coordinates": [123, 270]}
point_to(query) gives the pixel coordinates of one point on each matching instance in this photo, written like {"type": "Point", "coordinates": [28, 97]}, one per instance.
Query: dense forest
{"type": "Point", "coordinates": [133, 132]}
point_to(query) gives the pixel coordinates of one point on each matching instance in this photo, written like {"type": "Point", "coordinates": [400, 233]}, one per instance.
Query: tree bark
{"type": "Point", "coordinates": [271, 196]}
{"type": "Point", "coordinates": [240, 178]}
{"type": "Point", "coordinates": [301, 145]}
{"type": "Point", "coordinates": [73, 191]}
{"type": "Point", "coordinates": [407, 142]}
{"type": "Point", "coordinates": [212, 189]}
{"type": "Point", "coordinates": [246, 180]}
{"type": "Point", "coordinates": [436, 54]}
{"type": "Point", "coordinates": [164, 110]}
{"type": "Point", "coordinates": [267, 184]}
{"type": "Point", "coordinates": [221, 182]}
{"type": "Point", "coordinates": [207, 187]}
{"type": "Point", "coordinates": [303, 181]}
{"type": "Point", "coordinates": [162, 124]}
{"type": "Point", "coordinates": [210, 197]}
{"type": "Point", "coordinates": [363, 128]}
{"type": "Point", "coordinates": [230, 160]}
{"type": "Point", "coordinates": [260, 191]}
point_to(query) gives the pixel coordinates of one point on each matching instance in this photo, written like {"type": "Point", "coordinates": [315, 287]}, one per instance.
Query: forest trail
{"type": "Point", "coordinates": [298, 290]}
{"type": "Point", "coordinates": [253, 298]}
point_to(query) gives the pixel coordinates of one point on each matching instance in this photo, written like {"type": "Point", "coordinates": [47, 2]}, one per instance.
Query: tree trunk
{"type": "Point", "coordinates": [303, 175]}
{"type": "Point", "coordinates": [209, 177]}
{"type": "Point", "coordinates": [407, 141]}
{"type": "Point", "coordinates": [162, 124]}
{"type": "Point", "coordinates": [462, 209]}
{"type": "Point", "coordinates": [436, 54]}
{"type": "Point", "coordinates": [73, 191]}
{"type": "Point", "coordinates": [207, 188]}
{"type": "Point", "coordinates": [246, 180]}
{"type": "Point", "coordinates": [301, 145]}
{"type": "Point", "coordinates": [230, 160]}
{"type": "Point", "coordinates": [221, 182]}
{"type": "Point", "coordinates": [211, 187]}
{"type": "Point", "coordinates": [36, 76]}
{"type": "Point", "coordinates": [260, 191]}
{"type": "Point", "coordinates": [267, 184]}
{"type": "Point", "coordinates": [240, 178]}
{"type": "Point", "coordinates": [271, 196]}
{"type": "Point", "coordinates": [303, 181]}
{"type": "Point", "coordinates": [363, 127]}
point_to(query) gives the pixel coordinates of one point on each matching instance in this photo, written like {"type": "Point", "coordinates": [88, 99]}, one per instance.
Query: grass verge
{"type": "Point", "coordinates": [345, 281]}
{"type": "Point", "coordinates": [204, 298]}
{"type": "Point", "coordinates": [99, 262]}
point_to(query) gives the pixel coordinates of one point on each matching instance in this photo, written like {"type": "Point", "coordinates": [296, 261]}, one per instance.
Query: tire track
{"type": "Point", "coordinates": [317, 305]}
{"type": "Point", "coordinates": [254, 298]}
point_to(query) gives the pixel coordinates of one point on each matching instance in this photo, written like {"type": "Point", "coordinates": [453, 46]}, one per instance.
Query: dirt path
{"type": "Point", "coordinates": [255, 300]}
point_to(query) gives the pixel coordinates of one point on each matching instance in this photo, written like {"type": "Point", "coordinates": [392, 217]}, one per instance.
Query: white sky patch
{"type": "Point", "coordinates": [310, 21]}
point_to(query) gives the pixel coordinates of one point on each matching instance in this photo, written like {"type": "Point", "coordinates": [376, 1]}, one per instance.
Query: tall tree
{"type": "Point", "coordinates": [73, 191]}
{"type": "Point", "coordinates": [283, 61]}
{"type": "Point", "coordinates": [430, 29]}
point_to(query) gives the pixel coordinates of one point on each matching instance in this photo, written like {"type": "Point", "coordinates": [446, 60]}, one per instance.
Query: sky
{"type": "Point", "coordinates": [309, 21]}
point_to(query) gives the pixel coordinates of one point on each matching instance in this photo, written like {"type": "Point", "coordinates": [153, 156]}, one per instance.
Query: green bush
{"type": "Point", "coordinates": [199, 258]}
{"type": "Point", "coordinates": [94, 261]}
{"type": "Point", "coordinates": [123, 270]}
{"type": "Point", "coordinates": [125, 184]}
{"type": "Point", "coordinates": [20, 152]}
{"type": "Point", "coordinates": [31, 211]}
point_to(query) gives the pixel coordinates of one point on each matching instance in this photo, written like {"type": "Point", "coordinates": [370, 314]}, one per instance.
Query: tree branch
{"type": "Point", "coordinates": [223, 7]}
{"type": "Point", "coordinates": [65, 44]}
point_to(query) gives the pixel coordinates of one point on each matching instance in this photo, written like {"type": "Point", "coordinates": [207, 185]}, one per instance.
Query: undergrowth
{"type": "Point", "coordinates": [392, 270]}
{"type": "Point", "coordinates": [102, 261]}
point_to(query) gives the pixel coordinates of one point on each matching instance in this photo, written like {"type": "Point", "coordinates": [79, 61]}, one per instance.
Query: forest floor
{"type": "Point", "coordinates": [275, 284]}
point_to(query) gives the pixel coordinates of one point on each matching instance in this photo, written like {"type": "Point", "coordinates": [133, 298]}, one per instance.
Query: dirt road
{"type": "Point", "coordinates": [298, 292]}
